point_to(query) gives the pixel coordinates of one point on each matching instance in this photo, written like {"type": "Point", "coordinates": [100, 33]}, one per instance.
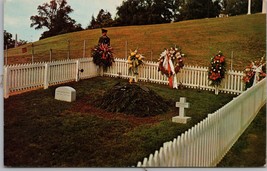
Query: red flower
{"type": "Point", "coordinates": [222, 59]}
{"type": "Point", "coordinates": [262, 74]}
{"type": "Point", "coordinates": [215, 76]}
{"type": "Point", "coordinates": [246, 79]}
{"type": "Point", "coordinates": [217, 58]}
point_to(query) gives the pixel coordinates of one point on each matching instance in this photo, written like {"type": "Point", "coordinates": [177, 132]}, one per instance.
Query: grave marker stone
{"type": "Point", "coordinates": [182, 105]}
{"type": "Point", "coordinates": [65, 93]}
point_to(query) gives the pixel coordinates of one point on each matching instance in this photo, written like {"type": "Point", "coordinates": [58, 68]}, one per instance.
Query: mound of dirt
{"type": "Point", "coordinates": [134, 100]}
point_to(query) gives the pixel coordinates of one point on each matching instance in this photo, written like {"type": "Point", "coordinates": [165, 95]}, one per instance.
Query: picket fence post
{"type": "Point", "coordinates": [77, 70]}
{"type": "Point", "coordinates": [100, 71]}
{"type": "Point", "coordinates": [46, 75]}
{"type": "Point", "coordinates": [6, 83]}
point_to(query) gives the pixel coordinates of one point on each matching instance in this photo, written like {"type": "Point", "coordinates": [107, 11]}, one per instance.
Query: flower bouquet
{"type": "Point", "coordinates": [217, 69]}
{"type": "Point", "coordinates": [134, 60]}
{"type": "Point", "coordinates": [102, 55]}
{"type": "Point", "coordinates": [254, 72]}
{"type": "Point", "coordinates": [170, 63]}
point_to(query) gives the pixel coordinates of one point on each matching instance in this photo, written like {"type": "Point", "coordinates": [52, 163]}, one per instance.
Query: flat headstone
{"type": "Point", "coordinates": [65, 93]}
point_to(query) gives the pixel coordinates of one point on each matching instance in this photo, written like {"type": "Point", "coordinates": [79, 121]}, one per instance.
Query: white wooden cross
{"type": "Point", "coordinates": [182, 105]}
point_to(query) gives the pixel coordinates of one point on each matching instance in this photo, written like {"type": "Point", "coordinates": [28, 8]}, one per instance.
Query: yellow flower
{"type": "Point", "coordinates": [132, 53]}
{"type": "Point", "coordinates": [141, 57]}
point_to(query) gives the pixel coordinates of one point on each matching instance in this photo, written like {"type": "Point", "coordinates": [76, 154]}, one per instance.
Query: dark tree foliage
{"type": "Point", "coordinates": [140, 12]}
{"type": "Point", "coordinates": [176, 9]}
{"type": "Point", "coordinates": [237, 7]}
{"type": "Point", "coordinates": [8, 41]}
{"type": "Point", "coordinates": [196, 9]}
{"type": "Point", "coordinates": [103, 19]}
{"type": "Point", "coordinates": [93, 24]}
{"type": "Point", "coordinates": [55, 17]}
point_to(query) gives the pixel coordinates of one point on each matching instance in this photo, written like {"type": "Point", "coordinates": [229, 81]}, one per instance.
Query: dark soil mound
{"type": "Point", "coordinates": [134, 100]}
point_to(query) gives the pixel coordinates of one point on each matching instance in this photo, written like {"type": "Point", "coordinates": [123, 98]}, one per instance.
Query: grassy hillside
{"type": "Point", "coordinates": [243, 35]}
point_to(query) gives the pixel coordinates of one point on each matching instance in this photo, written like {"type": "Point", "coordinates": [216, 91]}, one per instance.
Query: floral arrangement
{"type": "Point", "coordinates": [173, 55]}
{"type": "Point", "coordinates": [217, 69]}
{"type": "Point", "coordinates": [134, 60]}
{"type": "Point", "coordinates": [170, 63]}
{"type": "Point", "coordinates": [102, 55]}
{"type": "Point", "coordinates": [254, 72]}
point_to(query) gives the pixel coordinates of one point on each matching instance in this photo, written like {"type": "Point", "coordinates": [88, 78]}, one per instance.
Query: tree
{"type": "Point", "coordinates": [93, 24]}
{"type": "Point", "coordinates": [161, 11]}
{"type": "Point", "coordinates": [237, 7]}
{"type": "Point", "coordinates": [196, 9]}
{"type": "Point", "coordinates": [8, 41]}
{"type": "Point", "coordinates": [140, 12]}
{"type": "Point", "coordinates": [103, 19]}
{"type": "Point", "coordinates": [256, 6]}
{"type": "Point", "coordinates": [55, 17]}
{"type": "Point", "coordinates": [127, 12]}
{"type": "Point", "coordinates": [176, 7]}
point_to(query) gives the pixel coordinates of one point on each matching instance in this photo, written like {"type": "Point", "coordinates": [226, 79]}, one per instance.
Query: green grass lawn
{"type": "Point", "coordinates": [244, 35]}
{"type": "Point", "coordinates": [40, 131]}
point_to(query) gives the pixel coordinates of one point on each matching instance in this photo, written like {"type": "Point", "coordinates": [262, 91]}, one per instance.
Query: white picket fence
{"type": "Point", "coordinates": [206, 143]}
{"type": "Point", "coordinates": [189, 76]}
{"type": "Point", "coordinates": [28, 76]}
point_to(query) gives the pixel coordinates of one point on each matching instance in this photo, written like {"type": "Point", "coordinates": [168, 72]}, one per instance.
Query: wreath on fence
{"type": "Point", "coordinates": [135, 59]}
{"type": "Point", "coordinates": [217, 69]}
{"type": "Point", "coordinates": [171, 61]}
{"type": "Point", "coordinates": [254, 72]}
{"type": "Point", "coordinates": [102, 55]}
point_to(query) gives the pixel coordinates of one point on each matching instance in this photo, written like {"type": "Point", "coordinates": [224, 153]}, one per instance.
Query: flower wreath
{"type": "Point", "coordinates": [102, 55]}
{"type": "Point", "coordinates": [134, 60]}
{"type": "Point", "coordinates": [217, 69]}
{"type": "Point", "coordinates": [176, 58]}
{"type": "Point", "coordinates": [254, 72]}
